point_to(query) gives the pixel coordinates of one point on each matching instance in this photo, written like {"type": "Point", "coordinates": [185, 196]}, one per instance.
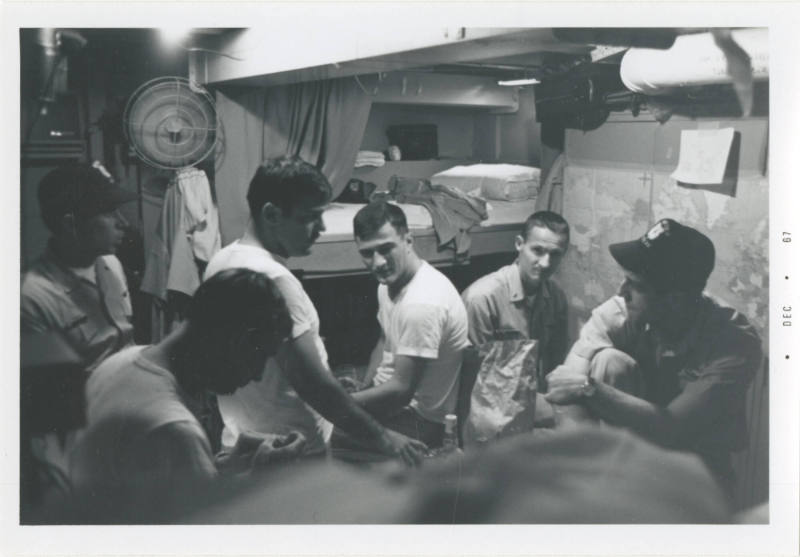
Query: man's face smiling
{"type": "Point", "coordinates": [386, 254]}
{"type": "Point", "coordinates": [539, 256]}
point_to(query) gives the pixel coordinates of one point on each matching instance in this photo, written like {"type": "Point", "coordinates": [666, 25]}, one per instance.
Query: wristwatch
{"type": "Point", "coordinates": [588, 388]}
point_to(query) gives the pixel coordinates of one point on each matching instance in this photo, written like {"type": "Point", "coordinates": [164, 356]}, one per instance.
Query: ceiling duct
{"type": "Point", "coordinates": [694, 60]}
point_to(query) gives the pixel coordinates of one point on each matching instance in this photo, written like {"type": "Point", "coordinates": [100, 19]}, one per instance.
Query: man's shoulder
{"type": "Point", "coordinates": [111, 366]}
{"type": "Point", "coordinates": [611, 314]}
{"type": "Point", "coordinates": [487, 286]}
{"type": "Point", "coordinates": [130, 375]}
{"type": "Point", "coordinates": [730, 327]}
{"type": "Point", "coordinates": [255, 258]}
{"type": "Point", "coordinates": [39, 282]}
{"type": "Point", "coordinates": [433, 287]}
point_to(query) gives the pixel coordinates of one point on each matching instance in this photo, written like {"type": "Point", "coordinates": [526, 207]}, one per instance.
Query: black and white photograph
{"type": "Point", "coordinates": [402, 278]}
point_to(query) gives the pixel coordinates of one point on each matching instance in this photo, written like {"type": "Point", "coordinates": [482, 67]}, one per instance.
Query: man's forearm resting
{"type": "Point", "coordinates": [619, 408]}
{"type": "Point", "coordinates": [334, 404]}
{"type": "Point", "coordinates": [316, 386]}
{"type": "Point", "coordinates": [397, 392]}
{"type": "Point", "coordinates": [383, 400]}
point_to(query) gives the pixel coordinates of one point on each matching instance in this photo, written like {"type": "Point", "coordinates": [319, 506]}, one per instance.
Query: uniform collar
{"type": "Point", "coordinates": [513, 282]}
{"type": "Point", "coordinates": [693, 335]}
{"type": "Point", "coordinates": [60, 273]}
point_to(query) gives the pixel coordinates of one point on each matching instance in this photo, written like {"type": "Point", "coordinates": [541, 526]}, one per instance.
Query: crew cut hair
{"type": "Point", "coordinates": [546, 219]}
{"type": "Point", "coordinates": [286, 182]}
{"type": "Point", "coordinates": [374, 215]}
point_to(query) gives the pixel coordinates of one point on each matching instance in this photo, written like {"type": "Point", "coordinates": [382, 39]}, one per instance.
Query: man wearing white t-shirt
{"type": "Point", "coordinates": [298, 392]}
{"type": "Point", "coordinates": [415, 366]}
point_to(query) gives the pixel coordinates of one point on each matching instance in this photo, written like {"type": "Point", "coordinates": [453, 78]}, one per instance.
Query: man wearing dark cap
{"type": "Point", "coordinates": [663, 358]}
{"type": "Point", "coordinates": [78, 286]}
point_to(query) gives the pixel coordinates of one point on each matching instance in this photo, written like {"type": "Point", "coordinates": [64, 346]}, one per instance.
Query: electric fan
{"type": "Point", "coordinates": [171, 123]}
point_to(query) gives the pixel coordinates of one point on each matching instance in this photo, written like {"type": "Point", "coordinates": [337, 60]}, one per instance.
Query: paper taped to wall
{"type": "Point", "coordinates": [703, 156]}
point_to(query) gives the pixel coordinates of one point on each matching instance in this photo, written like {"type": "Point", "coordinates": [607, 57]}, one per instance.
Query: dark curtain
{"type": "Point", "coordinates": [322, 122]}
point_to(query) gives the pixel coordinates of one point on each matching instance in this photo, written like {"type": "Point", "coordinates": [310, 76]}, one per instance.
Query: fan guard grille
{"type": "Point", "coordinates": [171, 123]}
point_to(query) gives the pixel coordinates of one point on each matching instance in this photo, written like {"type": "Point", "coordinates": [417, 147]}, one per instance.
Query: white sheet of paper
{"type": "Point", "coordinates": [703, 156]}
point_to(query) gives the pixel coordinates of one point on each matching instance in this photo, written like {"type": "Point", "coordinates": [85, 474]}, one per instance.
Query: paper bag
{"type": "Point", "coordinates": [504, 396]}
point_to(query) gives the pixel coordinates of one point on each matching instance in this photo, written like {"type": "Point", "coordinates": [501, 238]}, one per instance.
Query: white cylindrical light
{"type": "Point", "coordinates": [693, 60]}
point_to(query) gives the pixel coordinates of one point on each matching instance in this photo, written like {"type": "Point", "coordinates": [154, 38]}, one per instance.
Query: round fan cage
{"type": "Point", "coordinates": [171, 123]}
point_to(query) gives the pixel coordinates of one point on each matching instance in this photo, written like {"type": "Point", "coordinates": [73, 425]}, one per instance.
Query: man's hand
{"type": "Point", "coordinates": [277, 449]}
{"type": "Point", "coordinates": [565, 385]}
{"type": "Point", "coordinates": [350, 384]}
{"type": "Point", "coordinates": [409, 450]}
{"type": "Point", "coordinates": [254, 449]}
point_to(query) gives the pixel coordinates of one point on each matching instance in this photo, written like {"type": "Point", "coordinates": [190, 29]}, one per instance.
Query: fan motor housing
{"type": "Point", "coordinates": [171, 123]}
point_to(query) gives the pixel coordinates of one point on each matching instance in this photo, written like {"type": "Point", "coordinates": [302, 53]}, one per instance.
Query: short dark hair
{"type": "Point", "coordinates": [233, 300]}
{"type": "Point", "coordinates": [373, 216]}
{"type": "Point", "coordinates": [546, 219]}
{"type": "Point", "coordinates": [284, 182]}
{"type": "Point", "coordinates": [231, 305]}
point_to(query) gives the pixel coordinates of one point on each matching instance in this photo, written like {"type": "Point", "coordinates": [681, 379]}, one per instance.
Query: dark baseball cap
{"type": "Point", "coordinates": [81, 189]}
{"type": "Point", "coordinates": [670, 256]}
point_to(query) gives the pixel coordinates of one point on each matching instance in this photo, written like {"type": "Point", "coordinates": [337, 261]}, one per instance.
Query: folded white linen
{"type": "Point", "coordinates": [504, 182]}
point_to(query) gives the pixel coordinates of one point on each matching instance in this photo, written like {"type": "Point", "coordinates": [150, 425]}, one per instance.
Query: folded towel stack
{"type": "Point", "coordinates": [370, 158]}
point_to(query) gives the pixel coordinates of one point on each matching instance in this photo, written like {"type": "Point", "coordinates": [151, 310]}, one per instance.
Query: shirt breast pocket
{"type": "Point", "coordinates": [79, 329]}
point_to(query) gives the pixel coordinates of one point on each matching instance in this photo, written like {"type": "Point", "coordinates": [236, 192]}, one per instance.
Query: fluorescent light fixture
{"type": "Point", "coordinates": [517, 82]}
{"type": "Point", "coordinates": [174, 34]}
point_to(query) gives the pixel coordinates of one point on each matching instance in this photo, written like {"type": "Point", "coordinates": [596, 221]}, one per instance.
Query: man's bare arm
{"type": "Point", "coordinates": [312, 380]}
{"type": "Point", "coordinates": [389, 397]}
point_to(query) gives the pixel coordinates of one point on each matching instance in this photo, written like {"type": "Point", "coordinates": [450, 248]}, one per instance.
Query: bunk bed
{"type": "Point", "coordinates": [335, 253]}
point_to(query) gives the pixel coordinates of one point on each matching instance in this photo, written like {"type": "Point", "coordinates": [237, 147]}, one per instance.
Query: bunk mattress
{"type": "Point", "coordinates": [335, 252]}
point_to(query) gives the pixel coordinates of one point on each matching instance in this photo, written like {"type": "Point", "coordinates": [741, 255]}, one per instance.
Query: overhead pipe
{"type": "Point", "coordinates": [693, 60]}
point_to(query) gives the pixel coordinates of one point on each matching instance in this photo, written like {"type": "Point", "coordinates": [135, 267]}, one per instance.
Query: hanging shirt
{"type": "Point", "coordinates": [453, 212]}
{"type": "Point", "coordinates": [187, 233]}
{"type": "Point", "coordinates": [201, 217]}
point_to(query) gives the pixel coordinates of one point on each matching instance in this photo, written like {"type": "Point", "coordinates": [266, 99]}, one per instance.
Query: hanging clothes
{"type": "Point", "coordinates": [202, 217]}
{"type": "Point", "coordinates": [186, 238]}
{"type": "Point", "coordinates": [453, 211]}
